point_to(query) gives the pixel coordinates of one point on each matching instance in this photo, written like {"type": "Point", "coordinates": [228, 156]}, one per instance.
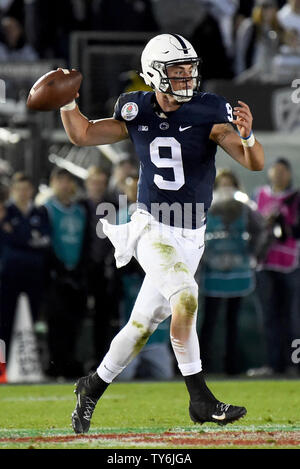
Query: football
{"type": "Point", "coordinates": [54, 89]}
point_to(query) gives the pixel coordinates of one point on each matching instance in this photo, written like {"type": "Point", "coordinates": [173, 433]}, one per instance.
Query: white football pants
{"type": "Point", "coordinates": [170, 257]}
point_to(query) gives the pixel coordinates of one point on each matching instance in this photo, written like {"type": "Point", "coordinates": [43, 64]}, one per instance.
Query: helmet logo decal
{"type": "Point", "coordinates": [129, 111]}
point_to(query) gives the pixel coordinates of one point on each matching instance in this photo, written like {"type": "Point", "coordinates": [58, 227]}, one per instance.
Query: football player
{"type": "Point", "coordinates": [175, 130]}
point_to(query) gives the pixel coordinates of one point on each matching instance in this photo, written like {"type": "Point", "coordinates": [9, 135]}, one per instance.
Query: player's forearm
{"type": "Point", "coordinates": [76, 125]}
{"type": "Point", "coordinates": [251, 157]}
{"type": "Point", "coordinates": [254, 157]}
{"type": "Point", "coordinates": [84, 132]}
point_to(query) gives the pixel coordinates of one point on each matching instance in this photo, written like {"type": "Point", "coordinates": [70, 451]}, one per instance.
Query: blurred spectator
{"type": "Point", "coordinates": [48, 24]}
{"type": "Point", "coordinates": [232, 239]}
{"type": "Point", "coordinates": [121, 171]}
{"type": "Point", "coordinates": [124, 15]}
{"type": "Point", "coordinates": [25, 240]}
{"type": "Point", "coordinates": [258, 38]}
{"type": "Point", "coordinates": [14, 46]}
{"type": "Point", "coordinates": [208, 42]}
{"type": "Point", "coordinates": [65, 303]}
{"type": "Point", "coordinates": [289, 18]}
{"type": "Point", "coordinates": [245, 9]}
{"type": "Point", "coordinates": [14, 8]}
{"type": "Point", "coordinates": [4, 194]}
{"type": "Point", "coordinates": [83, 11]}
{"type": "Point", "coordinates": [224, 13]}
{"type": "Point", "coordinates": [101, 266]}
{"type": "Point", "coordinates": [155, 360]}
{"type": "Point", "coordinates": [181, 19]}
{"type": "Point", "coordinates": [278, 275]}
{"type": "Point", "coordinates": [286, 64]}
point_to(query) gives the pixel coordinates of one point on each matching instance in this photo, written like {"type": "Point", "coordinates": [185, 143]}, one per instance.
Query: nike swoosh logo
{"type": "Point", "coordinates": [181, 129]}
{"type": "Point", "coordinates": [219, 417]}
{"type": "Point", "coordinates": [107, 369]}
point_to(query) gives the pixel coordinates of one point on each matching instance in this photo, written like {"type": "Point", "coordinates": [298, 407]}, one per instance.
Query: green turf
{"type": "Point", "coordinates": [141, 407]}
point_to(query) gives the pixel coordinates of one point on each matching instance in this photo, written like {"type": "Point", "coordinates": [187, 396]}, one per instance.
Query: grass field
{"type": "Point", "coordinates": [150, 415]}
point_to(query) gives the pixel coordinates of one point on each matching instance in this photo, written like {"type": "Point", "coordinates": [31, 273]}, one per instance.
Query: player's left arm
{"type": "Point", "coordinates": [251, 157]}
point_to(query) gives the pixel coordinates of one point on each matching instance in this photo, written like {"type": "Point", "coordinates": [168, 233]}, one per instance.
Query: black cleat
{"type": "Point", "coordinates": [217, 412]}
{"type": "Point", "coordinates": [85, 406]}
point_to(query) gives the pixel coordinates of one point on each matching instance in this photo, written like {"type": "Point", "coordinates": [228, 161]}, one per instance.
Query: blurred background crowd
{"type": "Point", "coordinates": [242, 33]}
{"type": "Point", "coordinates": [249, 308]}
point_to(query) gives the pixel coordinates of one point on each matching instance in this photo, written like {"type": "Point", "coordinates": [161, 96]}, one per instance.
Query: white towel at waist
{"type": "Point", "coordinates": [124, 237]}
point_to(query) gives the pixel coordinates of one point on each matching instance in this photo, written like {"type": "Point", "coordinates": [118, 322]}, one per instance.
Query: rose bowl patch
{"type": "Point", "coordinates": [129, 111]}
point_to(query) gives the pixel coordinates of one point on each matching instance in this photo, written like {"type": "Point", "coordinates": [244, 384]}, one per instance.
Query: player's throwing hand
{"type": "Point", "coordinates": [243, 120]}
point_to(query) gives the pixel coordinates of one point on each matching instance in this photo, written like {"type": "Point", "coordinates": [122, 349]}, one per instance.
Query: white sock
{"type": "Point", "coordinates": [107, 370]}
{"type": "Point", "coordinates": [188, 369]}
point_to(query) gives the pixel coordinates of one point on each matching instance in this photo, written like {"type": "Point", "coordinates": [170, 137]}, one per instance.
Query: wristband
{"type": "Point", "coordinates": [248, 141]}
{"type": "Point", "coordinates": [69, 107]}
